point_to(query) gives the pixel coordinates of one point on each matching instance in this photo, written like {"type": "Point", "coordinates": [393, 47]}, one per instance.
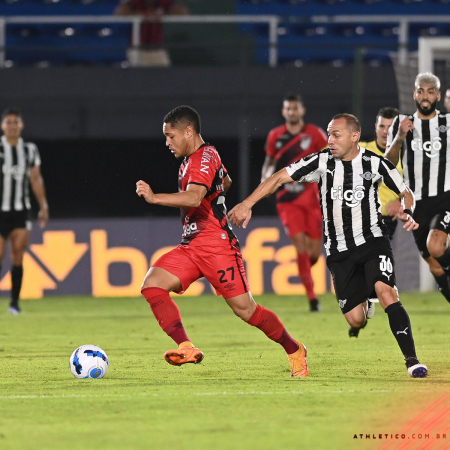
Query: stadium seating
{"type": "Point", "coordinates": [64, 44]}
{"type": "Point", "coordinates": [302, 40]}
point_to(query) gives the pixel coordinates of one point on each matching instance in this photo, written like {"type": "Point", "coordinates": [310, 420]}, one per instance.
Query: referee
{"type": "Point", "coordinates": [20, 163]}
{"type": "Point", "coordinates": [422, 142]}
{"type": "Point", "coordinates": [359, 253]}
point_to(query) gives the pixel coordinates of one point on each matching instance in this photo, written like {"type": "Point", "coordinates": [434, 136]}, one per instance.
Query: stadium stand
{"type": "Point", "coordinates": [303, 38]}
{"type": "Point", "coordinates": [307, 31]}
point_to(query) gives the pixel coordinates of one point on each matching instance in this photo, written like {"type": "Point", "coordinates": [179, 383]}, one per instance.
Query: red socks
{"type": "Point", "coordinates": [166, 313]}
{"type": "Point", "coordinates": [304, 267]}
{"type": "Point", "coordinates": [269, 323]}
{"type": "Point", "coordinates": [168, 316]}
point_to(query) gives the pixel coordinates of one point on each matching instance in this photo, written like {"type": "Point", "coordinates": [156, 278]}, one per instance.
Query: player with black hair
{"type": "Point", "coordinates": [208, 246]}
{"type": "Point", "coordinates": [390, 202]}
{"type": "Point", "coordinates": [422, 143]}
{"type": "Point", "coordinates": [297, 203]}
{"type": "Point", "coordinates": [21, 163]}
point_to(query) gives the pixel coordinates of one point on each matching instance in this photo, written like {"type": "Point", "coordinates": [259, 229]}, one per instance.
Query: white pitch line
{"type": "Point", "coordinates": [237, 393]}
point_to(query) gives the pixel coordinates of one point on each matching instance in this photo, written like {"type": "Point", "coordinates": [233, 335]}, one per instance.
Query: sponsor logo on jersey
{"type": "Point", "coordinates": [15, 171]}
{"type": "Point", "coordinates": [190, 228]}
{"type": "Point", "coordinates": [352, 197]}
{"type": "Point", "coordinates": [368, 175]}
{"type": "Point", "coordinates": [342, 303]}
{"type": "Point", "coordinates": [366, 158]}
{"type": "Point", "coordinates": [431, 148]}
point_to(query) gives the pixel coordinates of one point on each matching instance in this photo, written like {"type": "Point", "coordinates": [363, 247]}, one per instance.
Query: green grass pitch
{"type": "Point", "coordinates": [241, 397]}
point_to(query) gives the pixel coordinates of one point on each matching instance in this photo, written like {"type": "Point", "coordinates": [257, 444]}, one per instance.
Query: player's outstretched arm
{"type": "Point", "coordinates": [393, 152]}
{"type": "Point", "coordinates": [191, 198]}
{"type": "Point", "coordinates": [242, 212]}
{"type": "Point", "coordinates": [408, 203]}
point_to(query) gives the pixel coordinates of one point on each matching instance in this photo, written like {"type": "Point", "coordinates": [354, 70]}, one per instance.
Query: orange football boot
{"type": "Point", "coordinates": [186, 353]}
{"type": "Point", "coordinates": [297, 360]}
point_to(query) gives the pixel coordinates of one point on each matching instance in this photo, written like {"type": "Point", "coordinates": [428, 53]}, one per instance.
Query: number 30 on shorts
{"type": "Point", "coordinates": [223, 274]}
{"type": "Point", "coordinates": [385, 264]}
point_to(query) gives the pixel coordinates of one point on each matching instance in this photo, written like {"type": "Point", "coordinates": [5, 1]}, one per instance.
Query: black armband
{"type": "Point", "coordinates": [407, 211]}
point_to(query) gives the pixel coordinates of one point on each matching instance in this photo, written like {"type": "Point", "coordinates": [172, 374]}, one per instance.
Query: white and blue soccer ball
{"type": "Point", "coordinates": [89, 361]}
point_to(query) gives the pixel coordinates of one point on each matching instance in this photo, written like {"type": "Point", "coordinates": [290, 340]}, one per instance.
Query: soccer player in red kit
{"type": "Point", "coordinates": [298, 204]}
{"type": "Point", "coordinates": [208, 247]}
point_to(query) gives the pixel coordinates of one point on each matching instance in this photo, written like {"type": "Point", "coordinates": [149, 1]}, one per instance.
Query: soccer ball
{"type": "Point", "coordinates": [89, 361]}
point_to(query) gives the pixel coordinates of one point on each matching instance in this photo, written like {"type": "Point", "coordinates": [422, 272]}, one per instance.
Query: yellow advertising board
{"type": "Point", "coordinates": [110, 258]}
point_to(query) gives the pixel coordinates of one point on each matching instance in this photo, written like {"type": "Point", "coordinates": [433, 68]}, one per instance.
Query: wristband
{"type": "Point", "coordinates": [407, 211]}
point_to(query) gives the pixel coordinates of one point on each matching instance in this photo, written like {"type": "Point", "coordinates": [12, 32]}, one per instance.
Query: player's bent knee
{"type": "Point", "coordinates": [243, 313]}
{"type": "Point", "coordinates": [437, 243]}
{"type": "Point", "coordinates": [436, 249]}
{"type": "Point", "coordinates": [386, 294]}
{"type": "Point", "coordinates": [160, 278]}
{"type": "Point", "coordinates": [356, 322]}
{"type": "Point", "coordinates": [242, 306]}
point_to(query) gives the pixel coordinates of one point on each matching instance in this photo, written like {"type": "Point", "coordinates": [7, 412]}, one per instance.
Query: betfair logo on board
{"type": "Point", "coordinates": [109, 263]}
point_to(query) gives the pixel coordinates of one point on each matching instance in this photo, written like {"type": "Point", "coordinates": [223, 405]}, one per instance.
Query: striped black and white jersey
{"type": "Point", "coordinates": [425, 154]}
{"type": "Point", "coordinates": [16, 162]}
{"type": "Point", "coordinates": [348, 195]}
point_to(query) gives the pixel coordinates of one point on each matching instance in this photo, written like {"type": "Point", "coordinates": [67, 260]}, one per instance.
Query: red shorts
{"type": "Point", "coordinates": [223, 268]}
{"type": "Point", "coordinates": [300, 219]}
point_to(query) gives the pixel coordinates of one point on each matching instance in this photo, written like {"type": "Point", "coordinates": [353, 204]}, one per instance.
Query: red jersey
{"type": "Point", "coordinates": [287, 148]}
{"type": "Point", "coordinates": [208, 223]}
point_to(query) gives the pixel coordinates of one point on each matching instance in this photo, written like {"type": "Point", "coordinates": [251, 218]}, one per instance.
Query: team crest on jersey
{"type": "Point", "coordinates": [278, 145]}
{"type": "Point", "coordinates": [442, 128]}
{"type": "Point", "coordinates": [368, 175]}
{"type": "Point", "coordinates": [342, 303]}
{"type": "Point", "coordinates": [305, 142]}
